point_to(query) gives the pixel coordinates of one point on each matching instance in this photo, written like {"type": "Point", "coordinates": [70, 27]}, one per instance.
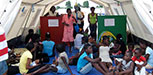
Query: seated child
{"type": "Point", "coordinates": [74, 59]}
{"type": "Point", "coordinates": [78, 40]}
{"type": "Point", "coordinates": [26, 59]}
{"type": "Point", "coordinates": [140, 62]}
{"type": "Point", "coordinates": [48, 45]}
{"type": "Point", "coordinates": [85, 62]}
{"type": "Point", "coordinates": [126, 66]}
{"type": "Point", "coordinates": [130, 47]}
{"type": "Point", "coordinates": [149, 57]}
{"type": "Point", "coordinates": [119, 38]}
{"type": "Point", "coordinates": [115, 50]}
{"type": "Point", "coordinates": [104, 52]}
{"type": "Point", "coordinates": [61, 63]}
{"type": "Point", "coordinates": [104, 49]}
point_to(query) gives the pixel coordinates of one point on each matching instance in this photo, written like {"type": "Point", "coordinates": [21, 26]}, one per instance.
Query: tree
{"type": "Point", "coordinates": [58, 7]}
{"type": "Point", "coordinates": [86, 4]}
{"type": "Point", "coordinates": [68, 4]}
{"type": "Point", "coordinates": [79, 5]}
{"type": "Point", "coordinates": [99, 6]}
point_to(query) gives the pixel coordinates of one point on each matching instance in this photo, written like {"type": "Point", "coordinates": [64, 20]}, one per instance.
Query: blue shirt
{"type": "Point", "coordinates": [150, 59]}
{"type": "Point", "coordinates": [48, 47]}
{"type": "Point", "coordinates": [82, 62]}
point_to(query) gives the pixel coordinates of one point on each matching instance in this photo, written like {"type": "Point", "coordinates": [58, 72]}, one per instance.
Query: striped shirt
{"type": "Point", "coordinates": [3, 45]}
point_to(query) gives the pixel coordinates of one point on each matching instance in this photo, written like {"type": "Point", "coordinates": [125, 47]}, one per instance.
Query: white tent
{"type": "Point", "coordinates": [18, 16]}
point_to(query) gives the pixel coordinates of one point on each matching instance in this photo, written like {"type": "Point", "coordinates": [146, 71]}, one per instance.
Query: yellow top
{"type": "Point", "coordinates": [92, 19]}
{"type": "Point", "coordinates": [23, 61]}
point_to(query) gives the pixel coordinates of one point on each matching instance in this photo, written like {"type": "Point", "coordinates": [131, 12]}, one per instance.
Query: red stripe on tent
{"type": "Point", "coordinates": [2, 37]}
{"type": "Point", "coordinates": [4, 51]}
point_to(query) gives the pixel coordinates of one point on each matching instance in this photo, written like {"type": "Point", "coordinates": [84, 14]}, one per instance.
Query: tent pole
{"type": "Point", "coordinates": [29, 15]}
{"type": "Point", "coordinates": [27, 21]}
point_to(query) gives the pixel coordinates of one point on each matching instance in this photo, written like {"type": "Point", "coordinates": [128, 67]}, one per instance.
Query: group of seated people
{"type": "Point", "coordinates": [109, 58]}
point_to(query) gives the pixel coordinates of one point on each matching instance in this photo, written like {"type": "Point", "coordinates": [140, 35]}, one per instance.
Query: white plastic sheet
{"type": "Point", "coordinates": [143, 9]}
{"type": "Point", "coordinates": [9, 10]}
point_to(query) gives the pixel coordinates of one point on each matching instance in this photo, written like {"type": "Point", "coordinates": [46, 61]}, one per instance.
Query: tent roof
{"type": "Point", "coordinates": [113, 1]}
{"type": "Point", "coordinates": [45, 2]}
{"type": "Point", "coordinates": [135, 18]}
{"type": "Point", "coordinates": [41, 2]}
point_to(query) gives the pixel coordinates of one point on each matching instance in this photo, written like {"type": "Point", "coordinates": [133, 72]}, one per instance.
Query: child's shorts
{"type": "Point", "coordinates": [3, 67]}
{"type": "Point", "coordinates": [61, 70]}
{"type": "Point", "coordinates": [86, 69]}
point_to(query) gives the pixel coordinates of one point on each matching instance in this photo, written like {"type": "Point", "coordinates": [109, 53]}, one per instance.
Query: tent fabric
{"type": "Point", "coordinates": [137, 26]}
{"type": "Point", "coordinates": [139, 18]}
{"type": "Point", "coordinates": [144, 12]}
{"type": "Point", "coordinates": [9, 10]}
{"type": "Point", "coordinates": [139, 15]}
{"type": "Point", "coordinates": [49, 6]}
{"type": "Point", "coordinates": [28, 16]}
{"type": "Point", "coordinates": [41, 2]}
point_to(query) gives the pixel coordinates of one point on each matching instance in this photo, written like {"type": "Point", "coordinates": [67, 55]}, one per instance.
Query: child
{"type": "Point", "coordinates": [73, 60]}
{"type": "Point", "coordinates": [130, 47]}
{"type": "Point", "coordinates": [140, 62]}
{"type": "Point", "coordinates": [62, 61]}
{"type": "Point", "coordinates": [104, 52]}
{"type": "Point", "coordinates": [48, 45]}
{"type": "Point", "coordinates": [149, 57]}
{"type": "Point", "coordinates": [26, 58]}
{"type": "Point", "coordinates": [126, 66]}
{"type": "Point", "coordinates": [121, 42]}
{"type": "Point", "coordinates": [115, 50]}
{"type": "Point", "coordinates": [29, 36]}
{"type": "Point", "coordinates": [78, 40]}
{"type": "Point", "coordinates": [104, 49]}
{"type": "Point", "coordinates": [85, 62]}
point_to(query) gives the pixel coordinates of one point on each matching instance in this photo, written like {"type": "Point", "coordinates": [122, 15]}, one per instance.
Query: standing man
{"type": "Point", "coordinates": [92, 19]}
{"type": "Point", "coordinates": [3, 52]}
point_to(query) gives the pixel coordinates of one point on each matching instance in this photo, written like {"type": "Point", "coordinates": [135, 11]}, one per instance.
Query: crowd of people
{"type": "Point", "coordinates": [107, 57]}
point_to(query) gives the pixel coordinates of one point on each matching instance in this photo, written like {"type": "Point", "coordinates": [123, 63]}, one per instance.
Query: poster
{"type": "Point", "coordinates": [111, 26]}
{"type": "Point", "coordinates": [53, 23]}
{"type": "Point", "coordinates": [109, 22]}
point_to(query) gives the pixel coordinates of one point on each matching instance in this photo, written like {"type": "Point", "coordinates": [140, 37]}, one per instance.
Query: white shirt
{"type": "Point", "coordinates": [78, 41]}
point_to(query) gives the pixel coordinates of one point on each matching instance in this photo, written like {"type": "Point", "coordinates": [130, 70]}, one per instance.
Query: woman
{"type": "Point", "coordinates": [67, 21]}
{"type": "Point", "coordinates": [92, 19]}
{"type": "Point", "coordinates": [52, 12]}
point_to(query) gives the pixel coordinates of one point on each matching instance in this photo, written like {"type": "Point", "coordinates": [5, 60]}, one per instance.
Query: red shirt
{"type": "Point", "coordinates": [140, 59]}
{"type": "Point", "coordinates": [3, 45]}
